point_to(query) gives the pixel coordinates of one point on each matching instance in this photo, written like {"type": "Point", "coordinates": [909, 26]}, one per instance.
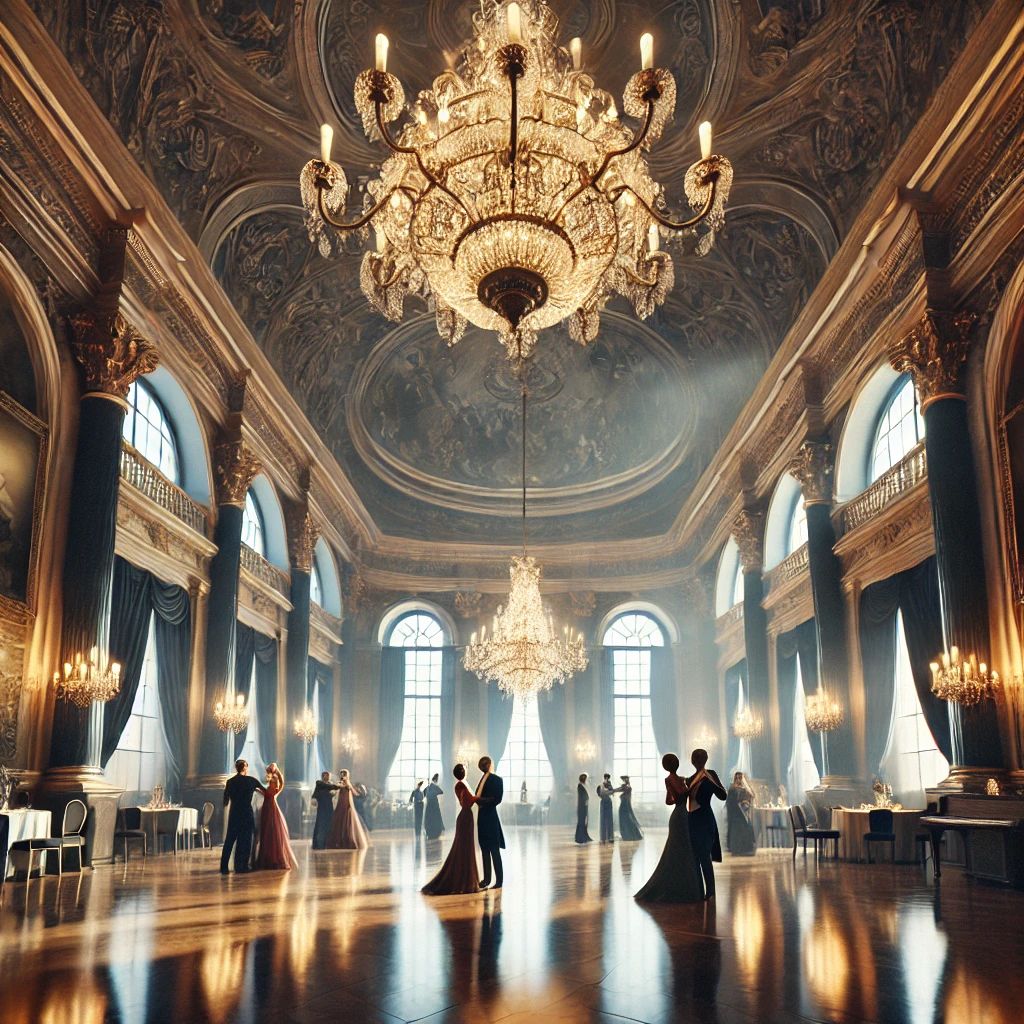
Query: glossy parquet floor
{"type": "Point", "coordinates": [349, 938]}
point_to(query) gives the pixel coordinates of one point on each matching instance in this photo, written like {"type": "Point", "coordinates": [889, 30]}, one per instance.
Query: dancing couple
{"type": "Point", "coordinates": [685, 873]}
{"type": "Point", "coordinates": [459, 874]}
{"type": "Point", "coordinates": [274, 850]}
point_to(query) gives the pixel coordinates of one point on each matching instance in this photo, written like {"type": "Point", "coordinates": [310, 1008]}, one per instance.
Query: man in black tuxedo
{"type": "Point", "coordinates": [238, 792]}
{"type": "Point", "coordinates": [489, 792]}
{"type": "Point", "coordinates": [323, 794]}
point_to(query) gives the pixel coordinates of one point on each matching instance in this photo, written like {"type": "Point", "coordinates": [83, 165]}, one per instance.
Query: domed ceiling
{"type": "Point", "coordinates": [220, 103]}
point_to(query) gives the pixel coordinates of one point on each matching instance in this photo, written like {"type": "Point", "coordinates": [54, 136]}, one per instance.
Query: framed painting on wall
{"type": "Point", "coordinates": [23, 441]}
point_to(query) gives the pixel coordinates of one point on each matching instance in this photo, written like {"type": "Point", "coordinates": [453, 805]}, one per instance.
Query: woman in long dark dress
{"type": "Point", "coordinates": [459, 873]}
{"type": "Point", "coordinates": [707, 847]}
{"type": "Point", "coordinates": [604, 792]}
{"type": "Point", "coordinates": [433, 823]}
{"type": "Point", "coordinates": [739, 805]}
{"type": "Point", "coordinates": [629, 827]}
{"type": "Point", "coordinates": [676, 879]}
{"type": "Point", "coordinates": [582, 811]}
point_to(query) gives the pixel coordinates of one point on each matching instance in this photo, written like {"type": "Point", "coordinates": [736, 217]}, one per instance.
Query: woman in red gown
{"type": "Point", "coordinates": [676, 879]}
{"type": "Point", "coordinates": [347, 831]}
{"type": "Point", "coordinates": [459, 873]}
{"type": "Point", "coordinates": [275, 850]}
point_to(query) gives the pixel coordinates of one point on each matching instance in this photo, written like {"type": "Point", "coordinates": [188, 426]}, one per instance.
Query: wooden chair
{"type": "Point", "coordinates": [72, 829]}
{"type": "Point", "coordinates": [178, 835]}
{"type": "Point", "coordinates": [129, 830]}
{"type": "Point", "coordinates": [202, 830]}
{"type": "Point", "coordinates": [880, 824]}
{"type": "Point", "coordinates": [818, 836]}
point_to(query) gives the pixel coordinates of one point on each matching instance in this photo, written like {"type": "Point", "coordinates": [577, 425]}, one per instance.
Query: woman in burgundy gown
{"type": "Point", "coordinates": [676, 879]}
{"type": "Point", "coordinates": [459, 873]}
{"type": "Point", "coordinates": [275, 850]}
{"type": "Point", "coordinates": [347, 831]}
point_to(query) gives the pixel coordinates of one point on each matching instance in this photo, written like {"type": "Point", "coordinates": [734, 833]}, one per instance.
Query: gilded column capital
{"type": "Point", "coordinates": [234, 469]}
{"type": "Point", "coordinates": [748, 532]}
{"type": "Point", "coordinates": [302, 536]}
{"type": "Point", "coordinates": [933, 353]}
{"type": "Point", "coordinates": [813, 467]}
{"type": "Point", "coordinates": [110, 352]}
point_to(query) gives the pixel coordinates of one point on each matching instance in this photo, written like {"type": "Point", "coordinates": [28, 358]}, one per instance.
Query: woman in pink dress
{"type": "Point", "coordinates": [347, 831]}
{"type": "Point", "coordinates": [459, 872]}
{"type": "Point", "coordinates": [275, 851]}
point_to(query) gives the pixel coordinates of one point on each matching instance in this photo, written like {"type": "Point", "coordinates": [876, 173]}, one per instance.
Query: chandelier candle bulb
{"type": "Point", "coordinates": [576, 50]}
{"type": "Point", "coordinates": [326, 141]}
{"type": "Point", "coordinates": [646, 51]}
{"type": "Point", "coordinates": [514, 20]}
{"type": "Point", "coordinates": [381, 46]}
{"type": "Point", "coordinates": [653, 238]}
{"type": "Point", "coordinates": [704, 134]}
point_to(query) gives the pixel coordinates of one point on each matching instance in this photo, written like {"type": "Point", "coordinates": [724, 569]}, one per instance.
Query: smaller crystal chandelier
{"type": "Point", "coordinates": [962, 680]}
{"type": "Point", "coordinates": [523, 654]}
{"type": "Point", "coordinates": [83, 681]}
{"type": "Point", "coordinates": [823, 712]}
{"type": "Point", "coordinates": [586, 750]}
{"type": "Point", "coordinates": [468, 753]}
{"type": "Point", "coordinates": [349, 743]}
{"type": "Point", "coordinates": [705, 739]}
{"type": "Point", "coordinates": [305, 726]}
{"type": "Point", "coordinates": [747, 725]}
{"type": "Point", "coordinates": [231, 716]}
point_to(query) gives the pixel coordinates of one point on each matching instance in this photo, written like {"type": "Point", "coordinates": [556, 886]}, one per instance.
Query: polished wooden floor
{"type": "Point", "coordinates": [349, 937]}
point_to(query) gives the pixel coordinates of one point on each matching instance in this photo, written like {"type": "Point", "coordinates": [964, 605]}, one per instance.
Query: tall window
{"type": "Point", "coordinates": [797, 536]}
{"type": "Point", "coordinates": [631, 637]}
{"type": "Point", "coordinates": [526, 758]}
{"type": "Point", "coordinates": [252, 525]}
{"type": "Point", "coordinates": [900, 427]}
{"type": "Point", "coordinates": [148, 431]}
{"type": "Point", "coordinates": [251, 747]}
{"type": "Point", "coordinates": [912, 762]}
{"type": "Point", "coordinates": [803, 772]}
{"type": "Point", "coordinates": [316, 587]}
{"type": "Point", "coordinates": [419, 753]}
{"type": "Point", "coordinates": [737, 585]}
{"type": "Point", "coordinates": [744, 760]}
{"type": "Point", "coordinates": [140, 761]}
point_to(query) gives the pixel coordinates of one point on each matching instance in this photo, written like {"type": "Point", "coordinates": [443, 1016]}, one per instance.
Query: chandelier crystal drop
{"type": "Point", "coordinates": [306, 728]}
{"type": "Point", "coordinates": [747, 725]}
{"type": "Point", "coordinates": [823, 712]}
{"type": "Point", "coordinates": [231, 715]}
{"type": "Point", "coordinates": [961, 680]}
{"type": "Point", "coordinates": [349, 743]}
{"type": "Point", "coordinates": [514, 197]}
{"type": "Point", "coordinates": [83, 681]}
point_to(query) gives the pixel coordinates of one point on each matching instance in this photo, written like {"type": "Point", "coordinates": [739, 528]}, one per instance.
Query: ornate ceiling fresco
{"type": "Point", "coordinates": [220, 102]}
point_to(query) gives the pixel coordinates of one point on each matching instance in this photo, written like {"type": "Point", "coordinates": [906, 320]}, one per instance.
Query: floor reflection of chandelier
{"type": "Point", "coordinates": [306, 728]}
{"type": "Point", "coordinates": [962, 680]}
{"type": "Point", "coordinates": [514, 195]}
{"type": "Point", "coordinates": [524, 654]}
{"type": "Point", "coordinates": [84, 682]}
{"type": "Point", "coordinates": [823, 712]}
{"type": "Point", "coordinates": [231, 715]}
{"type": "Point", "coordinates": [747, 725]}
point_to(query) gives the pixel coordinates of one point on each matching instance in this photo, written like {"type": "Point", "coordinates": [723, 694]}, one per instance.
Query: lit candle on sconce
{"type": "Point", "coordinates": [326, 141]}
{"type": "Point", "coordinates": [381, 46]}
{"type": "Point", "coordinates": [653, 238]}
{"type": "Point", "coordinates": [380, 238]}
{"type": "Point", "coordinates": [514, 21]}
{"type": "Point", "coordinates": [576, 49]}
{"type": "Point", "coordinates": [704, 133]}
{"type": "Point", "coordinates": [646, 51]}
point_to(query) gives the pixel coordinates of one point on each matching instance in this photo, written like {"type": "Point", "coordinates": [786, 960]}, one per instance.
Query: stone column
{"type": "Point", "coordinates": [813, 468]}
{"type": "Point", "coordinates": [234, 468]}
{"type": "Point", "coordinates": [933, 353]}
{"type": "Point", "coordinates": [748, 532]}
{"type": "Point", "coordinates": [302, 536]}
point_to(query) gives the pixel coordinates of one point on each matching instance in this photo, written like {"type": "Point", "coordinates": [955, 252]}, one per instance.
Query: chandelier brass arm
{"type": "Point", "coordinates": [711, 178]}
{"type": "Point", "coordinates": [323, 185]}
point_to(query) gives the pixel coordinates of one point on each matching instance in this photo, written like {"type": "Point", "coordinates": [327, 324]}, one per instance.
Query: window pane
{"type": "Point", "coordinates": [148, 430]}
{"type": "Point", "coordinates": [900, 428]}
{"type": "Point", "coordinates": [525, 758]}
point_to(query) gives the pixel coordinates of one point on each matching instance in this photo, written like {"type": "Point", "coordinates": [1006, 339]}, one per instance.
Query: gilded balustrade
{"type": "Point", "coordinates": [148, 480]}
{"type": "Point", "coordinates": [256, 565]}
{"type": "Point", "coordinates": [901, 478]}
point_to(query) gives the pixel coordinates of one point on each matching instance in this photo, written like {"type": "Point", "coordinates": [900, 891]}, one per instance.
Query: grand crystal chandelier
{"type": "Point", "coordinates": [231, 715]}
{"type": "Point", "coordinates": [305, 726]}
{"type": "Point", "coordinates": [962, 680]}
{"type": "Point", "coordinates": [523, 653]}
{"type": "Point", "coordinates": [747, 725]}
{"type": "Point", "coordinates": [514, 197]}
{"type": "Point", "coordinates": [823, 712]}
{"type": "Point", "coordinates": [84, 681]}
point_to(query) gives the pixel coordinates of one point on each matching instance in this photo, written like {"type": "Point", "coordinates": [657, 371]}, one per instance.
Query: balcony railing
{"type": "Point", "coordinates": [330, 623]}
{"type": "Point", "coordinates": [903, 477]}
{"type": "Point", "coordinates": [255, 564]}
{"type": "Point", "coordinates": [789, 568]}
{"type": "Point", "coordinates": [148, 480]}
{"type": "Point", "coordinates": [730, 618]}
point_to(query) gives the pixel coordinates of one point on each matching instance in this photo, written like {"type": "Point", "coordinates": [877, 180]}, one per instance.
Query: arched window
{"type": "Point", "coordinates": [900, 427]}
{"type": "Point", "coordinates": [419, 752]}
{"type": "Point", "coordinates": [252, 525]}
{"type": "Point", "coordinates": [525, 758]}
{"type": "Point", "coordinates": [803, 772]}
{"type": "Point", "coordinates": [316, 587]}
{"type": "Point", "coordinates": [631, 637]}
{"type": "Point", "coordinates": [149, 432]}
{"type": "Point", "coordinates": [737, 585]}
{"type": "Point", "coordinates": [797, 537]}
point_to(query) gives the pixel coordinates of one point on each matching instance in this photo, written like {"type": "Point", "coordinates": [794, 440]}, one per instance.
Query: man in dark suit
{"type": "Point", "coordinates": [416, 798]}
{"type": "Point", "coordinates": [703, 785]}
{"type": "Point", "coordinates": [323, 794]}
{"type": "Point", "coordinates": [238, 792]}
{"type": "Point", "coordinates": [488, 825]}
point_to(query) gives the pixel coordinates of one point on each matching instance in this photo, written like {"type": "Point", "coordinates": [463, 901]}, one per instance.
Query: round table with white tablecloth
{"type": "Point", "coordinates": [24, 824]}
{"type": "Point", "coordinates": [852, 823]}
{"type": "Point", "coordinates": [171, 821]}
